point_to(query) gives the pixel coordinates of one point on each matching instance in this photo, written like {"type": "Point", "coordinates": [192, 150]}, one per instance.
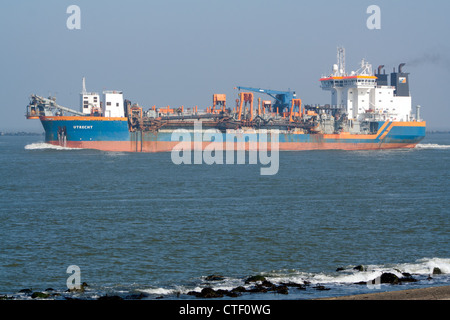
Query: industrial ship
{"type": "Point", "coordinates": [368, 110]}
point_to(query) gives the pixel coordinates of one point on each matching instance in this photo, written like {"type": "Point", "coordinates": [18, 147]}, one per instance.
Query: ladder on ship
{"type": "Point", "coordinates": [137, 138]}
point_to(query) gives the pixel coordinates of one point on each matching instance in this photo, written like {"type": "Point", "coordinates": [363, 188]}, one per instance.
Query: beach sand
{"type": "Point", "coordinates": [432, 293]}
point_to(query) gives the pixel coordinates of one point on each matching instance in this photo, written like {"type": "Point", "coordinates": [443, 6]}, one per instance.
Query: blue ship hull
{"type": "Point", "coordinates": [113, 134]}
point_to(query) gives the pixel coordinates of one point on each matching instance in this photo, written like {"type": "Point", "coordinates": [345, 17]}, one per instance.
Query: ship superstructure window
{"type": "Point", "coordinates": [108, 103]}
{"type": "Point", "coordinates": [89, 100]}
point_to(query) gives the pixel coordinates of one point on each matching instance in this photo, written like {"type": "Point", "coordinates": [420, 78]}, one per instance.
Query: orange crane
{"type": "Point", "coordinates": [245, 97]}
{"type": "Point", "coordinates": [219, 100]}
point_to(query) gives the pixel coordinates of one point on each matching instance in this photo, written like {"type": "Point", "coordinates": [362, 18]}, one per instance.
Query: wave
{"type": "Point", "coordinates": [422, 267]}
{"type": "Point", "coordinates": [160, 291]}
{"type": "Point", "coordinates": [46, 146]}
{"type": "Point", "coordinates": [432, 146]}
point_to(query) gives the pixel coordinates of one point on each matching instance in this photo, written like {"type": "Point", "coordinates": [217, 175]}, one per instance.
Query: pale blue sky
{"type": "Point", "coordinates": [175, 52]}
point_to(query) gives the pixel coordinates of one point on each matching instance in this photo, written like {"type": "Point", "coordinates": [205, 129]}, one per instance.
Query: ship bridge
{"type": "Point", "coordinates": [361, 94]}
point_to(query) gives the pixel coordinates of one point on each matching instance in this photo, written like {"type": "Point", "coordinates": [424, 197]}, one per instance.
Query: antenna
{"type": "Point", "coordinates": [84, 86]}
{"type": "Point", "coordinates": [341, 61]}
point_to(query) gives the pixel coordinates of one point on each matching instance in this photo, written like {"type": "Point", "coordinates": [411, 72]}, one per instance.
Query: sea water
{"type": "Point", "coordinates": [136, 223]}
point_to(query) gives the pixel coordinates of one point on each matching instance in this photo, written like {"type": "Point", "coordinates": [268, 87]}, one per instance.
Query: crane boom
{"type": "Point", "coordinates": [49, 103]}
{"type": "Point", "coordinates": [283, 99]}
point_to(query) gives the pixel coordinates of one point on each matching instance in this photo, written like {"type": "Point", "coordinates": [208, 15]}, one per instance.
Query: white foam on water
{"type": "Point", "coordinates": [432, 146]}
{"type": "Point", "coordinates": [426, 265]}
{"type": "Point", "coordinates": [350, 277]}
{"type": "Point", "coordinates": [422, 267]}
{"type": "Point", "coordinates": [159, 291]}
{"type": "Point", "coordinates": [46, 146]}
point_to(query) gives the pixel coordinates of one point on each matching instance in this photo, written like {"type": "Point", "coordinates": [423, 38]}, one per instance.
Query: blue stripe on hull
{"type": "Point", "coordinates": [405, 134]}
{"type": "Point", "coordinates": [89, 130]}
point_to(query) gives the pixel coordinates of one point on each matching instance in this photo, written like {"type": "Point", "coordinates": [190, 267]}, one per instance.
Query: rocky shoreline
{"type": "Point", "coordinates": [254, 284]}
{"type": "Point", "coordinates": [260, 284]}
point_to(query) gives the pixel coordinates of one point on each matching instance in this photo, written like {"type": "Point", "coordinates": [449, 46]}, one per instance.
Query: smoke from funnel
{"type": "Point", "coordinates": [435, 59]}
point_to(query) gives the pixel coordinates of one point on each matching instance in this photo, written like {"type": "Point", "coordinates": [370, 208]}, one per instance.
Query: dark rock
{"type": "Point", "coordinates": [295, 285]}
{"type": "Point", "coordinates": [269, 285]}
{"type": "Point", "coordinates": [258, 288]}
{"type": "Point", "coordinates": [209, 293]}
{"type": "Point", "coordinates": [407, 277]}
{"type": "Point", "coordinates": [266, 286]}
{"type": "Point", "coordinates": [389, 278]}
{"type": "Point", "coordinates": [406, 274]}
{"type": "Point", "coordinates": [282, 290]}
{"type": "Point", "coordinates": [436, 270]}
{"type": "Point", "coordinates": [110, 298]}
{"type": "Point", "coordinates": [359, 268]}
{"type": "Point", "coordinates": [214, 277]}
{"type": "Point", "coordinates": [340, 269]}
{"type": "Point", "coordinates": [255, 279]}
{"type": "Point", "coordinates": [239, 289]}
{"type": "Point", "coordinates": [27, 291]}
{"type": "Point", "coordinates": [41, 295]}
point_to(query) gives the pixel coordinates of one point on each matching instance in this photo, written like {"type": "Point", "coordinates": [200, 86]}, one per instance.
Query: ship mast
{"type": "Point", "coordinates": [340, 62]}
